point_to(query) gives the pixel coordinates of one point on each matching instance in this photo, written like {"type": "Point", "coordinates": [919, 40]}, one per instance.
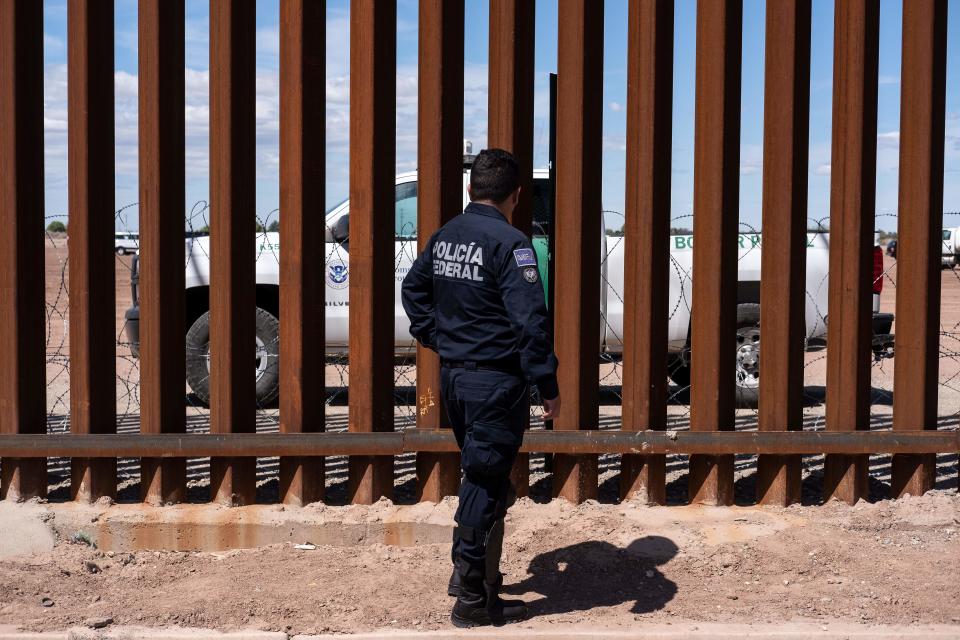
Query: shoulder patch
{"type": "Point", "coordinates": [530, 274]}
{"type": "Point", "coordinates": [525, 257]}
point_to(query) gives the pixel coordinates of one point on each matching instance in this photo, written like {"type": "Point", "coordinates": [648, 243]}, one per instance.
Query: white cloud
{"type": "Point", "coordinates": [822, 169]}
{"type": "Point", "coordinates": [615, 106]}
{"type": "Point", "coordinates": [888, 139]}
{"type": "Point", "coordinates": [751, 159]}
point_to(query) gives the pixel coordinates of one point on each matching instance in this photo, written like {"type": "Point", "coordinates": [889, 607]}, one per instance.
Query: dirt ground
{"type": "Point", "coordinates": [604, 566]}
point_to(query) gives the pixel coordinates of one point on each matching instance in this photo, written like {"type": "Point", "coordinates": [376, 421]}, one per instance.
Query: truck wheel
{"type": "Point", "coordinates": [267, 358]}
{"type": "Point", "coordinates": [120, 251]}
{"type": "Point", "coordinates": [747, 362]}
{"type": "Point", "coordinates": [748, 355]}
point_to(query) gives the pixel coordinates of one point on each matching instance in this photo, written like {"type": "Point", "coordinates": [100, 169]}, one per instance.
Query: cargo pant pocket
{"type": "Point", "coordinates": [490, 449]}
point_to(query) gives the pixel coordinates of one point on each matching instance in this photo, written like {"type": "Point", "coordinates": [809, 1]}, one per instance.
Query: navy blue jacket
{"type": "Point", "coordinates": [474, 294]}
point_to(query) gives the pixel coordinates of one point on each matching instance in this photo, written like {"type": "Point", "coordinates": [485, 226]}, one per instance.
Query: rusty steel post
{"type": "Point", "coordinates": [439, 198]}
{"type": "Point", "coordinates": [784, 259]}
{"type": "Point", "coordinates": [302, 232]}
{"type": "Point", "coordinates": [373, 50]}
{"type": "Point", "coordinates": [162, 147]}
{"type": "Point", "coordinates": [578, 221]}
{"type": "Point", "coordinates": [232, 228]}
{"type": "Point", "coordinates": [510, 99]}
{"type": "Point", "coordinates": [922, 112]}
{"type": "Point", "coordinates": [647, 231]}
{"type": "Point", "coordinates": [510, 122]}
{"type": "Point", "coordinates": [852, 200]}
{"type": "Point", "coordinates": [90, 140]}
{"type": "Point", "coordinates": [387, 443]}
{"type": "Point", "coordinates": [22, 337]}
{"type": "Point", "coordinates": [716, 191]}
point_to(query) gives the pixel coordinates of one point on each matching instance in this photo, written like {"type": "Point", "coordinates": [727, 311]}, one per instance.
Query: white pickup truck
{"type": "Point", "coordinates": [609, 342]}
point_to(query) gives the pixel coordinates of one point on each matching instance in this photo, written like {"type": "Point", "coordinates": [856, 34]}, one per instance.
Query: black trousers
{"type": "Point", "coordinates": [486, 410]}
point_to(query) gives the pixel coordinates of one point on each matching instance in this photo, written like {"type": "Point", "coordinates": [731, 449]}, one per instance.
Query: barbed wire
{"type": "Point", "coordinates": [610, 374]}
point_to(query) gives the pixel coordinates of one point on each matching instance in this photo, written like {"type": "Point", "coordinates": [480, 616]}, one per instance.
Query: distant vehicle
{"type": "Point", "coordinates": [125, 242]}
{"type": "Point", "coordinates": [892, 248]}
{"type": "Point", "coordinates": [950, 252]}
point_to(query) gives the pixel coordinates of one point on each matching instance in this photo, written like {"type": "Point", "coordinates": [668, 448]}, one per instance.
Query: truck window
{"type": "Point", "coordinates": [946, 234]}
{"type": "Point", "coordinates": [406, 211]}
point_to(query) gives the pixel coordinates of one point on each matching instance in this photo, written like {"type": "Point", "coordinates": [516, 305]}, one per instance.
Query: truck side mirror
{"type": "Point", "coordinates": [341, 229]}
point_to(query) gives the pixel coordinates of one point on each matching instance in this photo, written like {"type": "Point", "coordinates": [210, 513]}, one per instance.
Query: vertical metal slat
{"type": "Point", "coordinates": [22, 336]}
{"type": "Point", "coordinates": [91, 258]}
{"type": "Point", "coordinates": [922, 112]}
{"type": "Point", "coordinates": [162, 147]}
{"type": "Point", "coordinates": [578, 220]}
{"type": "Point", "coordinates": [232, 226]}
{"type": "Point", "coordinates": [439, 198]}
{"type": "Point", "coordinates": [373, 35]}
{"type": "Point", "coordinates": [852, 204]}
{"type": "Point", "coordinates": [784, 258]}
{"type": "Point", "coordinates": [647, 230]}
{"type": "Point", "coordinates": [510, 122]}
{"type": "Point", "coordinates": [716, 217]}
{"type": "Point", "coordinates": [302, 233]}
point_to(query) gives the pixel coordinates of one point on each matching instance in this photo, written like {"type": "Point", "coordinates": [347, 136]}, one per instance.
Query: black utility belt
{"type": "Point", "coordinates": [503, 366]}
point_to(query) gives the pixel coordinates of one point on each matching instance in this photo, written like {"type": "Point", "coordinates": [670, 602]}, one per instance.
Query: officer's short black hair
{"type": "Point", "coordinates": [494, 176]}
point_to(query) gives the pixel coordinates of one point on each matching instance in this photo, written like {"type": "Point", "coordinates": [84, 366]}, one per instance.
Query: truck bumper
{"type": "Point", "coordinates": [131, 327]}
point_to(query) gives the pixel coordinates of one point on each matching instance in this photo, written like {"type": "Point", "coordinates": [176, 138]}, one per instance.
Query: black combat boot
{"type": "Point", "coordinates": [453, 585]}
{"type": "Point", "coordinates": [494, 550]}
{"type": "Point", "coordinates": [479, 604]}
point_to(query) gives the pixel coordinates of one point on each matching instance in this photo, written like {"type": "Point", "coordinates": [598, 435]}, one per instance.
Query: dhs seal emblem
{"type": "Point", "coordinates": [337, 275]}
{"type": "Point", "coordinates": [530, 275]}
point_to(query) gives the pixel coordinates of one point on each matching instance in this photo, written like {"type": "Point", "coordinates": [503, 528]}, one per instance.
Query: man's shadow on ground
{"type": "Point", "coordinates": [598, 574]}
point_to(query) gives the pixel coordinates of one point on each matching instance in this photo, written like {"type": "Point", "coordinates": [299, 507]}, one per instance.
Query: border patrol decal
{"type": "Point", "coordinates": [525, 257]}
{"type": "Point", "coordinates": [337, 274]}
{"type": "Point", "coordinates": [530, 274]}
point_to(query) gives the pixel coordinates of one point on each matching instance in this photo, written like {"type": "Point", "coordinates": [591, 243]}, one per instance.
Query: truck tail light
{"type": "Point", "coordinates": [877, 269]}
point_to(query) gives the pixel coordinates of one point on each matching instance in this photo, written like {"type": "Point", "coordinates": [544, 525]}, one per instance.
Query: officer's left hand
{"type": "Point", "coordinates": [551, 408]}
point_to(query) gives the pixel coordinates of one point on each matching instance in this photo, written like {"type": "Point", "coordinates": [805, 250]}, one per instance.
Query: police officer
{"type": "Point", "coordinates": [474, 296]}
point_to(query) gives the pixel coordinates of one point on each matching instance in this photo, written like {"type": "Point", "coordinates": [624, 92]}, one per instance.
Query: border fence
{"type": "Point", "coordinates": [371, 439]}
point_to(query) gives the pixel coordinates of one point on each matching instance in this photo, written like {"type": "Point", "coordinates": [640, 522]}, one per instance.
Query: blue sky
{"type": "Point", "coordinates": [475, 113]}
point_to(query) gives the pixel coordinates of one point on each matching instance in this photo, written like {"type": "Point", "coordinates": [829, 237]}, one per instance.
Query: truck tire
{"type": "Point", "coordinates": [267, 361]}
{"type": "Point", "coordinates": [747, 358]}
{"type": "Point", "coordinates": [748, 355]}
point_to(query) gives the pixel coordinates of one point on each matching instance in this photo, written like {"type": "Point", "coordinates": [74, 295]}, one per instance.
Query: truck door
{"type": "Point", "coordinates": [405, 252]}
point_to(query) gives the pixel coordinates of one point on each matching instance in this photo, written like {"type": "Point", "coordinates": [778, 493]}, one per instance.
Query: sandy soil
{"type": "Point", "coordinates": [597, 565]}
